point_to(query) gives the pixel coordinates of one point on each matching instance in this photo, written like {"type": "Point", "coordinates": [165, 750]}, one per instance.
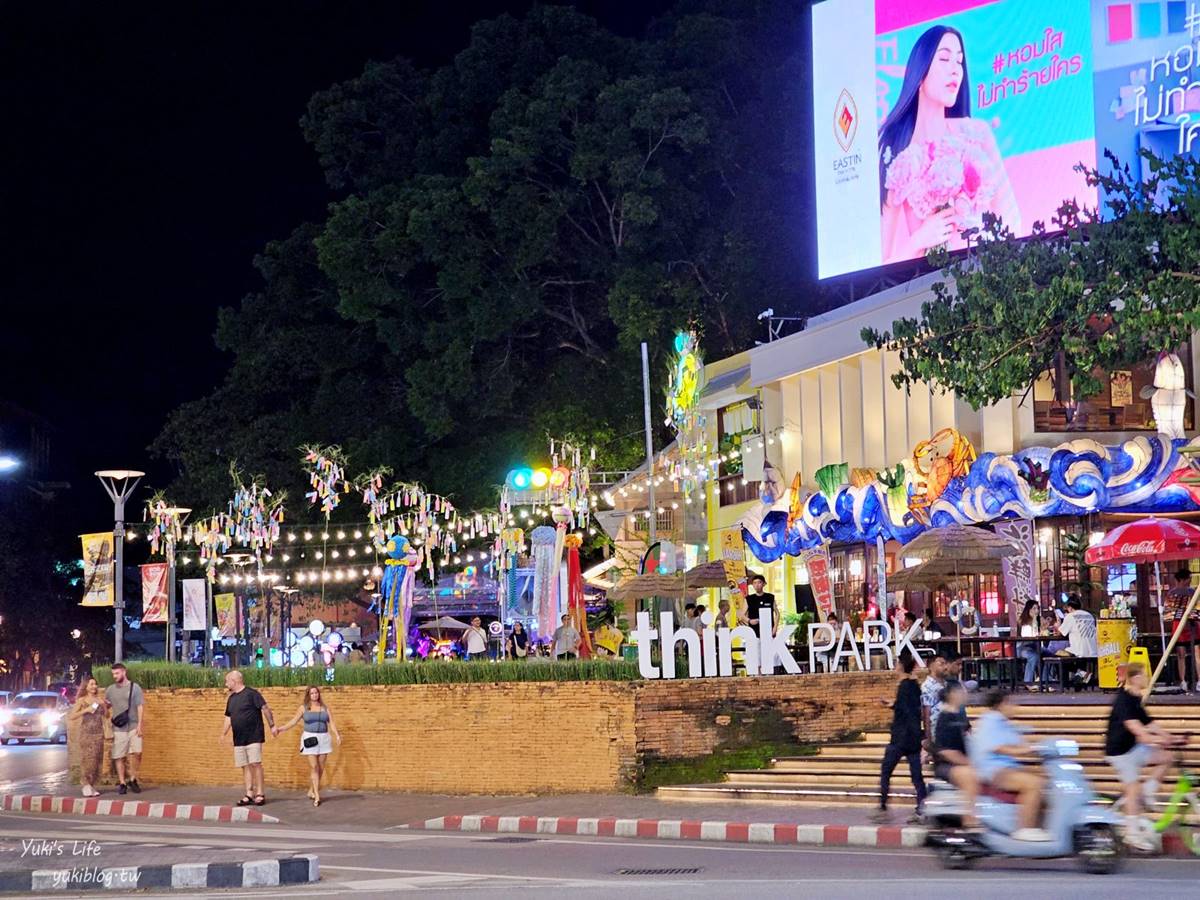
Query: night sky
{"type": "Point", "coordinates": [149, 152]}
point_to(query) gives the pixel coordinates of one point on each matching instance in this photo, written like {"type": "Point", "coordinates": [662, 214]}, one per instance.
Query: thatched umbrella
{"type": "Point", "coordinates": [640, 587]}
{"type": "Point", "coordinates": [709, 574]}
{"type": "Point", "coordinates": [935, 573]}
{"type": "Point", "coordinates": [958, 543]}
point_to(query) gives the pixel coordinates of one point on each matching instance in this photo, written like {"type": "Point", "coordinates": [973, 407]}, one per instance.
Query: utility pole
{"type": "Point", "coordinates": [119, 484]}
{"type": "Point", "coordinates": [649, 441]}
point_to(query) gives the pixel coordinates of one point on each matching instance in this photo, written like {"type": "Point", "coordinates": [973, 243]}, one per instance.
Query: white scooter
{"type": "Point", "coordinates": [1079, 824]}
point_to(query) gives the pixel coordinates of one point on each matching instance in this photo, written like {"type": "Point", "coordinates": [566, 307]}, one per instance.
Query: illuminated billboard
{"type": "Point", "coordinates": [929, 113]}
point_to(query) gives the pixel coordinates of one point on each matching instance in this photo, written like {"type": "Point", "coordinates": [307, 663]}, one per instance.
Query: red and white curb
{"type": "Point", "coordinates": [94, 806]}
{"type": "Point", "coordinates": [680, 830]}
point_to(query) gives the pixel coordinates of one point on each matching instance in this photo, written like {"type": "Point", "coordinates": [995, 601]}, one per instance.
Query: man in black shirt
{"type": "Point", "coordinates": [244, 712]}
{"type": "Point", "coordinates": [758, 601]}
{"type": "Point", "coordinates": [905, 741]}
{"type": "Point", "coordinates": [950, 760]}
{"type": "Point", "coordinates": [1134, 741]}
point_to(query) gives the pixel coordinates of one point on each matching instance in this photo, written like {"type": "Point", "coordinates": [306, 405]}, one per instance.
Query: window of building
{"type": "Point", "coordinates": [735, 423]}
{"type": "Point", "coordinates": [1119, 406]}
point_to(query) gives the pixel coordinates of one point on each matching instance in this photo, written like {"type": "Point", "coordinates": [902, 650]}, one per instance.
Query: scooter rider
{"type": "Point", "coordinates": [1135, 742]}
{"type": "Point", "coordinates": [950, 748]}
{"type": "Point", "coordinates": [995, 743]}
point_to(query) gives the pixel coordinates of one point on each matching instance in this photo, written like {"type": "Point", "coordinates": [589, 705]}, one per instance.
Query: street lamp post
{"type": "Point", "coordinates": [119, 484]}
{"type": "Point", "coordinates": [178, 515]}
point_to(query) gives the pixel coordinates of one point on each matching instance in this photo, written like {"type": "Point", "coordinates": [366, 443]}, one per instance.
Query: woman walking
{"type": "Point", "coordinates": [315, 742]}
{"type": "Point", "coordinates": [88, 717]}
{"type": "Point", "coordinates": [518, 642]}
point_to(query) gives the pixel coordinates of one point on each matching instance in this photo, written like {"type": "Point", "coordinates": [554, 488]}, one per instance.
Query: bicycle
{"type": "Point", "coordinates": [1181, 815]}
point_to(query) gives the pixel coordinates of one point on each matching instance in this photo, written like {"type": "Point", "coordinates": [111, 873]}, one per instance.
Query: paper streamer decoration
{"type": "Point", "coordinates": [97, 569]}
{"type": "Point", "coordinates": [194, 599]}
{"type": "Point", "coordinates": [545, 578]}
{"type": "Point", "coordinates": [326, 468]}
{"type": "Point", "coordinates": [576, 606]}
{"type": "Point", "coordinates": [154, 593]}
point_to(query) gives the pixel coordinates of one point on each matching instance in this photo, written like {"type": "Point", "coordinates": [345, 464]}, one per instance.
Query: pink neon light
{"type": "Point", "coordinates": [890, 15]}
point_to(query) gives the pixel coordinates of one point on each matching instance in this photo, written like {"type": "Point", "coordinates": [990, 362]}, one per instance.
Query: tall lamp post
{"type": "Point", "coordinates": [119, 484]}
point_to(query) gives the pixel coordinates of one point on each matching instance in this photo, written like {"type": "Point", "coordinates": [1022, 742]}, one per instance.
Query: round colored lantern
{"type": "Point", "coordinates": [541, 478]}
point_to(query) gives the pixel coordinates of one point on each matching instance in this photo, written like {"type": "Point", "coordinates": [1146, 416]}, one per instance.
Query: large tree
{"type": "Point", "coordinates": [508, 229]}
{"type": "Point", "coordinates": [1096, 294]}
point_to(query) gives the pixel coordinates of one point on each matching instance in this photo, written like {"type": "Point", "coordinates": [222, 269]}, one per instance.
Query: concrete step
{"type": "Point", "coordinates": [849, 754]}
{"type": "Point", "coordinates": [867, 776]}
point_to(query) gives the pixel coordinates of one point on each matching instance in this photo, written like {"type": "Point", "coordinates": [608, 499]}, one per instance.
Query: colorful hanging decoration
{"type": "Point", "coordinates": [374, 496]}
{"type": "Point", "coordinates": [166, 524]}
{"type": "Point", "coordinates": [545, 578]}
{"type": "Point", "coordinates": [576, 605]}
{"type": "Point", "coordinates": [685, 383]}
{"type": "Point", "coordinates": [396, 592]}
{"type": "Point", "coordinates": [255, 514]}
{"type": "Point", "coordinates": [326, 469]}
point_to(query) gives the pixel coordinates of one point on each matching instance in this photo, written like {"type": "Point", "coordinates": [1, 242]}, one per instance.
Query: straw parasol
{"type": "Point", "coordinates": [935, 573]}
{"type": "Point", "coordinates": [958, 543]}
{"type": "Point", "coordinates": [640, 587]}
{"type": "Point", "coordinates": [445, 623]}
{"type": "Point", "coordinates": [710, 574]}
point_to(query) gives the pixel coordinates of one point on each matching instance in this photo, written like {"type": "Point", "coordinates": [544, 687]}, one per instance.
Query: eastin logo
{"type": "Point", "coordinates": [845, 120]}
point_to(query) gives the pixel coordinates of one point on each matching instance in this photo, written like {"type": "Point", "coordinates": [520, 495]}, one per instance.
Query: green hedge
{"type": "Point", "coordinates": [182, 675]}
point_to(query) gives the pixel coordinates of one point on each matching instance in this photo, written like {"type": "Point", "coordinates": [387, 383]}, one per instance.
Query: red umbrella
{"type": "Point", "coordinates": [1149, 541]}
{"type": "Point", "coordinates": [1146, 541]}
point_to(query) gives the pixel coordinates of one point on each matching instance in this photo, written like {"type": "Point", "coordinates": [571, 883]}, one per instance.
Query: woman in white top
{"type": "Point", "coordinates": [1030, 651]}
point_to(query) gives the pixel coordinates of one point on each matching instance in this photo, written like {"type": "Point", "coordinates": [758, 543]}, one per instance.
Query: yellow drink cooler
{"type": "Point", "coordinates": [1114, 639]}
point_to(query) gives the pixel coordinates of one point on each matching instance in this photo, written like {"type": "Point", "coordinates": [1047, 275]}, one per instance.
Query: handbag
{"type": "Point", "coordinates": [120, 720]}
{"type": "Point", "coordinates": [310, 742]}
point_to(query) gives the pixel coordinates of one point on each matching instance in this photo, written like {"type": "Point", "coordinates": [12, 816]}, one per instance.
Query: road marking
{"type": "Point", "coordinates": [462, 874]}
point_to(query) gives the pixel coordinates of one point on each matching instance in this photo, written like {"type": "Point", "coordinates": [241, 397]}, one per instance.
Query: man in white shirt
{"type": "Point", "coordinates": [474, 640]}
{"type": "Point", "coordinates": [566, 640]}
{"type": "Point", "coordinates": [1078, 626]}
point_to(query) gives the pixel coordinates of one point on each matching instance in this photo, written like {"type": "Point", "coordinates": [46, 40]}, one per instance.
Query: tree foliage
{"type": "Point", "coordinates": [507, 229]}
{"type": "Point", "coordinates": [1092, 296]}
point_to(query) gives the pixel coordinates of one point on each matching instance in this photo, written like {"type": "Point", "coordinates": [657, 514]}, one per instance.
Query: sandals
{"type": "Point", "coordinates": [316, 801]}
{"type": "Point", "coordinates": [246, 800]}
{"type": "Point", "coordinates": [259, 799]}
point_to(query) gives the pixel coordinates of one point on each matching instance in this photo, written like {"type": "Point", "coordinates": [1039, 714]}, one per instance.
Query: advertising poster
{"type": "Point", "coordinates": [930, 113]}
{"type": "Point", "coordinates": [154, 593]}
{"type": "Point", "coordinates": [817, 561]}
{"type": "Point", "coordinates": [733, 555]}
{"type": "Point", "coordinates": [226, 614]}
{"type": "Point", "coordinates": [194, 599]}
{"type": "Point", "coordinates": [97, 569]}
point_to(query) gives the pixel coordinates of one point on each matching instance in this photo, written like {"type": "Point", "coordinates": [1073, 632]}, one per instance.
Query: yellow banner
{"type": "Point", "coordinates": [733, 555]}
{"type": "Point", "coordinates": [97, 569]}
{"type": "Point", "coordinates": [226, 620]}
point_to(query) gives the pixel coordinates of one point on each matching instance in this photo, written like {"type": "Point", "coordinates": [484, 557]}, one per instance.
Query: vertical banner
{"type": "Point", "coordinates": [97, 569]}
{"type": "Point", "coordinates": [226, 615]}
{"type": "Point", "coordinates": [817, 562]}
{"type": "Point", "coordinates": [154, 593]}
{"type": "Point", "coordinates": [733, 556]}
{"type": "Point", "coordinates": [193, 604]}
{"type": "Point", "coordinates": [1020, 585]}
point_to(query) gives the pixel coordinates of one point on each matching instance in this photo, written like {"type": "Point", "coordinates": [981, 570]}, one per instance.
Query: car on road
{"type": "Point", "coordinates": [34, 715]}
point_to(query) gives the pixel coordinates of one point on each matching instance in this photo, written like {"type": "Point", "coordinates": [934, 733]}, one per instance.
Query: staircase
{"type": "Point", "coordinates": [848, 773]}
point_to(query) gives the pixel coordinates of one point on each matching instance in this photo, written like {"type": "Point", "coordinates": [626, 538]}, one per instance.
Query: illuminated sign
{"type": "Point", "coordinates": [930, 113]}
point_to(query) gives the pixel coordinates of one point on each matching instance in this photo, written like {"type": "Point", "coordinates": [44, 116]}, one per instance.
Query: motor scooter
{"type": "Point", "coordinates": [1079, 823]}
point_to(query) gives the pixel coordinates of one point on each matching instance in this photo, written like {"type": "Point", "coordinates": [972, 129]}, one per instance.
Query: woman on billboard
{"type": "Point", "coordinates": [939, 169]}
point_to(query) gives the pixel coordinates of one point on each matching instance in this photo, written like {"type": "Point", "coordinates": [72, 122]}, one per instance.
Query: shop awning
{"type": "Point", "coordinates": [726, 388]}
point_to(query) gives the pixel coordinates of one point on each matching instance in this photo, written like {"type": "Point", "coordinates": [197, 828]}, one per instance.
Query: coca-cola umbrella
{"type": "Point", "coordinates": [1150, 540]}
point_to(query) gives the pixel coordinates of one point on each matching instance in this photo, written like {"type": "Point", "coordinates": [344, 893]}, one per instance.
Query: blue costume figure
{"type": "Point", "coordinates": [396, 592]}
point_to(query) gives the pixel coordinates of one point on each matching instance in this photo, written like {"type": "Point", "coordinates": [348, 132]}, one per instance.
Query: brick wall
{"type": "Point", "coordinates": [695, 717]}
{"type": "Point", "coordinates": [512, 738]}
{"type": "Point", "coordinates": [515, 738]}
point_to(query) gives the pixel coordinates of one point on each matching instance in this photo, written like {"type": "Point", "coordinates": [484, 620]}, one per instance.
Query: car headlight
{"type": "Point", "coordinates": [5, 716]}
{"type": "Point", "coordinates": [51, 718]}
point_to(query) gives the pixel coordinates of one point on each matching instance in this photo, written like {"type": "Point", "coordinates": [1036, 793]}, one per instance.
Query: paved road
{"type": "Point", "coordinates": [31, 765]}
{"type": "Point", "coordinates": [385, 862]}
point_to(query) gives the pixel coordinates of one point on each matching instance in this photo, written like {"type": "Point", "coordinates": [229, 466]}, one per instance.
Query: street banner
{"type": "Point", "coordinates": [154, 593]}
{"type": "Point", "coordinates": [817, 562]}
{"type": "Point", "coordinates": [193, 604]}
{"type": "Point", "coordinates": [97, 569]}
{"type": "Point", "coordinates": [733, 556]}
{"type": "Point", "coordinates": [226, 619]}
{"type": "Point", "coordinates": [1020, 584]}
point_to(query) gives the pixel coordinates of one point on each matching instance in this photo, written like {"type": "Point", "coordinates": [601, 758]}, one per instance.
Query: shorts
{"type": "Point", "coordinates": [1129, 765]}
{"type": "Point", "coordinates": [1189, 632]}
{"type": "Point", "coordinates": [941, 771]}
{"type": "Point", "coordinates": [247, 755]}
{"type": "Point", "coordinates": [124, 743]}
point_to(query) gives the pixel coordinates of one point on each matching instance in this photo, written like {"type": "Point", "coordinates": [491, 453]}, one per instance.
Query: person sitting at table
{"type": "Point", "coordinates": [929, 628]}
{"type": "Point", "coordinates": [1189, 630]}
{"type": "Point", "coordinates": [1078, 626]}
{"type": "Point", "coordinates": [1030, 624]}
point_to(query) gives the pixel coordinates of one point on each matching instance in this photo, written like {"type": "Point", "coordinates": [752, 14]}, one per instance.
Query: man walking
{"type": "Point", "coordinates": [245, 709]}
{"type": "Point", "coordinates": [474, 639]}
{"type": "Point", "coordinates": [566, 640]}
{"type": "Point", "coordinates": [126, 705]}
{"type": "Point", "coordinates": [905, 741]}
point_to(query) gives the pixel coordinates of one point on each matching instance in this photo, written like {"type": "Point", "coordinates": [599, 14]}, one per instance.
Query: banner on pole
{"type": "Point", "coordinates": [226, 620]}
{"type": "Point", "coordinates": [97, 569]}
{"type": "Point", "coordinates": [154, 593]}
{"type": "Point", "coordinates": [733, 556]}
{"type": "Point", "coordinates": [817, 563]}
{"type": "Point", "coordinates": [1020, 581]}
{"type": "Point", "coordinates": [193, 604]}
